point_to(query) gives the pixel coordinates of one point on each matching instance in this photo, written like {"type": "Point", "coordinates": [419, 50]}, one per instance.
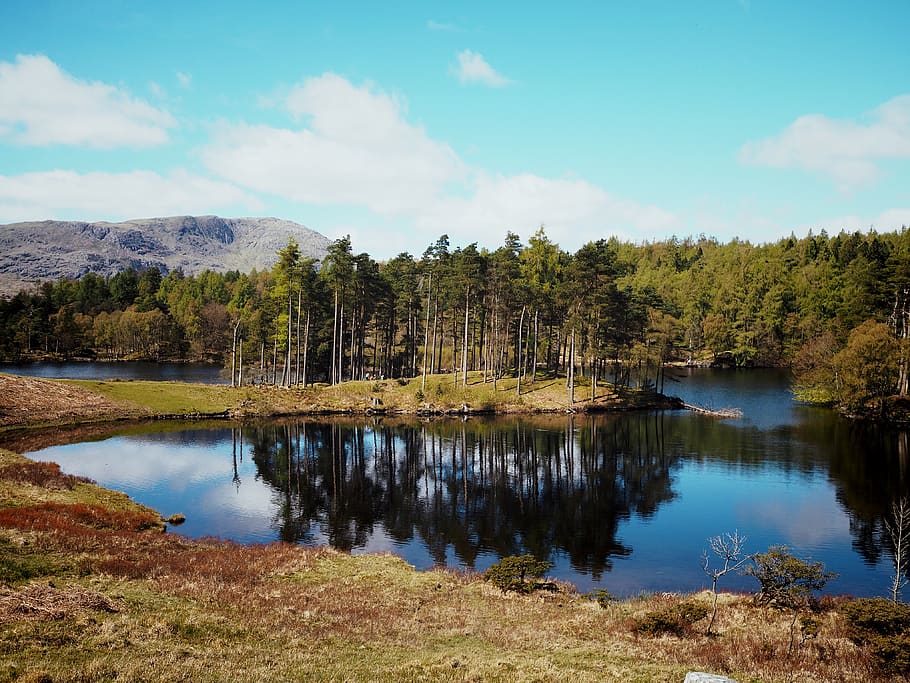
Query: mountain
{"type": "Point", "coordinates": [48, 250]}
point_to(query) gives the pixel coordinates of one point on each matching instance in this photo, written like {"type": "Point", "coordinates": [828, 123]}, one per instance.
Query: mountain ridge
{"type": "Point", "coordinates": [51, 249]}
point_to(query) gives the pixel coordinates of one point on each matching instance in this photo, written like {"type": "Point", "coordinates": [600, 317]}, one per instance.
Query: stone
{"type": "Point", "coordinates": [701, 677]}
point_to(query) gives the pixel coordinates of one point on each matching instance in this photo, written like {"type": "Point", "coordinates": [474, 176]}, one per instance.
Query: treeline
{"type": "Point", "coordinates": [612, 310]}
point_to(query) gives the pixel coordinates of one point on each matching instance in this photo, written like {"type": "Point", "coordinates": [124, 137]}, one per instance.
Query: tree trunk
{"type": "Point", "coordinates": [299, 302]}
{"type": "Point", "coordinates": [286, 377]}
{"type": "Point", "coordinates": [353, 326]}
{"type": "Point", "coordinates": [234, 354]}
{"type": "Point", "coordinates": [426, 336]}
{"type": "Point", "coordinates": [275, 362]}
{"type": "Point", "coordinates": [519, 363]}
{"type": "Point", "coordinates": [464, 348]}
{"type": "Point", "coordinates": [335, 339]}
{"type": "Point", "coordinates": [434, 368]}
{"type": "Point", "coordinates": [306, 344]}
{"type": "Point", "coordinates": [571, 372]}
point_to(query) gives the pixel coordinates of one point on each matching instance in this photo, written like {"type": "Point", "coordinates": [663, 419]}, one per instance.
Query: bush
{"type": "Point", "coordinates": [876, 616]}
{"type": "Point", "coordinates": [602, 597]}
{"type": "Point", "coordinates": [676, 620]}
{"type": "Point", "coordinates": [882, 625]}
{"type": "Point", "coordinates": [786, 580]}
{"type": "Point", "coordinates": [517, 573]}
{"type": "Point", "coordinates": [44, 474]}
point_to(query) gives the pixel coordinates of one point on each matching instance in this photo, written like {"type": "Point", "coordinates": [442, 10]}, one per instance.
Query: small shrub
{"type": "Point", "coordinates": [882, 625]}
{"type": "Point", "coordinates": [419, 396]}
{"type": "Point", "coordinates": [602, 597]}
{"type": "Point", "coordinates": [62, 517]}
{"type": "Point", "coordinates": [17, 568]}
{"type": "Point", "coordinates": [892, 652]}
{"type": "Point", "coordinates": [44, 474]}
{"type": "Point", "coordinates": [517, 573]}
{"type": "Point", "coordinates": [402, 381]}
{"type": "Point", "coordinates": [377, 387]}
{"type": "Point", "coordinates": [787, 582]}
{"type": "Point", "coordinates": [676, 620]}
{"type": "Point", "coordinates": [876, 615]}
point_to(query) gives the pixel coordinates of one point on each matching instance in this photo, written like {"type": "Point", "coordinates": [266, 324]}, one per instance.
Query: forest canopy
{"type": "Point", "coordinates": [835, 308]}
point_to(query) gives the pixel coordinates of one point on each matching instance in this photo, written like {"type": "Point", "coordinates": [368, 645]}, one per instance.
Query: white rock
{"type": "Point", "coordinates": [700, 677]}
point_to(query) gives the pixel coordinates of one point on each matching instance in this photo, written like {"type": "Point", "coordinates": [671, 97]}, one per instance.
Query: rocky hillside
{"type": "Point", "coordinates": [47, 250]}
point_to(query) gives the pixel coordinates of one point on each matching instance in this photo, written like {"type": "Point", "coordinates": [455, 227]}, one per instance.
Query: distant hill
{"type": "Point", "coordinates": [48, 250]}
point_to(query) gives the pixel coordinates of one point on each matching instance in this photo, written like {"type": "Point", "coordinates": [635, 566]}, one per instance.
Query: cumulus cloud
{"type": "Point", "coordinates": [889, 219]}
{"type": "Point", "coordinates": [184, 80]}
{"type": "Point", "coordinates": [42, 105]}
{"type": "Point", "coordinates": [573, 211]}
{"type": "Point", "coordinates": [847, 151]}
{"type": "Point", "coordinates": [115, 196]}
{"type": "Point", "coordinates": [473, 68]}
{"type": "Point", "coordinates": [356, 148]}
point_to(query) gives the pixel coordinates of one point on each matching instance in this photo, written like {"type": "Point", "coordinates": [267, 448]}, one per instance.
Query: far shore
{"type": "Point", "coordinates": [28, 402]}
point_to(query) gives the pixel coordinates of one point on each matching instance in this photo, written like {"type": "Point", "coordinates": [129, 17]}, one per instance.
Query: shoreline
{"type": "Point", "coordinates": [90, 570]}
{"type": "Point", "coordinates": [33, 403]}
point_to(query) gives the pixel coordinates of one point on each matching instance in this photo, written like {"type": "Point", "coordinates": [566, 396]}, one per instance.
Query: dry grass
{"type": "Point", "coordinates": [29, 402]}
{"type": "Point", "coordinates": [91, 595]}
{"type": "Point", "coordinates": [153, 606]}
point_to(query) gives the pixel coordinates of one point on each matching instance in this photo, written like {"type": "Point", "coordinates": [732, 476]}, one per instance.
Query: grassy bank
{"type": "Point", "coordinates": [91, 589]}
{"type": "Point", "coordinates": [34, 402]}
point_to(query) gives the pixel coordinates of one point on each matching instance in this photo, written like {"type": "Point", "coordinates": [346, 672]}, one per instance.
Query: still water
{"type": "Point", "coordinates": [623, 502]}
{"type": "Point", "coordinates": [202, 373]}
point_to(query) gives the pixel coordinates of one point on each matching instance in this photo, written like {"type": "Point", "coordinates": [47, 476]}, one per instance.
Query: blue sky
{"type": "Point", "coordinates": [398, 122]}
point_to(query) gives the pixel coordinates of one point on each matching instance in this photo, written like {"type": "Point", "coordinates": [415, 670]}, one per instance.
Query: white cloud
{"type": "Point", "coordinates": [473, 68]}
{"type": "Point", "coordinates": [889, 219]}
{"type": "Point", "coordinates": [115, 196]}
{"type": "Point", "coordinates": [42, 105]}
{"type": "Point", "coordinates": [358, 148]}
{"type": "Point", "coordinates": [185, 80]}
{"type": "Point", "coordinates": [846, 151]}
{"type": "Point", "coordinates": [573, 211]}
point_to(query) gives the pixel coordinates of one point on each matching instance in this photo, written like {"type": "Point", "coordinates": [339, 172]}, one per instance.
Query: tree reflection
{"type": "Point", "coordinates": [540, 486]}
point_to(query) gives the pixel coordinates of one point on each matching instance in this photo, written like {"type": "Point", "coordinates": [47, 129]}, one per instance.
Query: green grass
{"type": "Point", "coordinates": [167, 398]}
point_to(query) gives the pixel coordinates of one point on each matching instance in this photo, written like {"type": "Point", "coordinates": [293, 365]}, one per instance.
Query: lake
{"type": "Point", "coordinates": [623, 501]}
{"type": "Point", "coordinates": [202, 373]}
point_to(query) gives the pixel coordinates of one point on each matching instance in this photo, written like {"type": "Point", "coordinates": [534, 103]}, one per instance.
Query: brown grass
{"type": "Point", "coordinates": [43, 474]}
{"type": "Point", "coordinates": [29, 402]}
{"type": "Point", "coordinates": [147, 605]}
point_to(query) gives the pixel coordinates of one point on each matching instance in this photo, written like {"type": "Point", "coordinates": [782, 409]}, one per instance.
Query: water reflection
{"type": "Point", "coordinates": [624, 501]}
{"type": "Point", "coordinates": [537, 487]}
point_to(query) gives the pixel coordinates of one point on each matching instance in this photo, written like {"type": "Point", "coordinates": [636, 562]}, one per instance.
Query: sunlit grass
{"type": "Point", "coordinates": [85, 596]}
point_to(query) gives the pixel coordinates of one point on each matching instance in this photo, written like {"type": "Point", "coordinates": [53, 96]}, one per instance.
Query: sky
{"type": "Point", "coordinates": [399, 122]}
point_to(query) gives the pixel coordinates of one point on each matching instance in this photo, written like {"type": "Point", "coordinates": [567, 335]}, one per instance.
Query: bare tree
{"type": "Point", "coordinates": [898, 527]}
{"type": "Point", "coordinates": [729, 548]}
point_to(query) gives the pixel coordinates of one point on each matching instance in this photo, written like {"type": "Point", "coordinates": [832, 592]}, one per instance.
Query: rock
{"type": "Point", "coordinates": [700, 677]}
{"type": "Point", "coordinates": [48, 250]}
{"type": "Point", "coordinates": [176, 519]}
